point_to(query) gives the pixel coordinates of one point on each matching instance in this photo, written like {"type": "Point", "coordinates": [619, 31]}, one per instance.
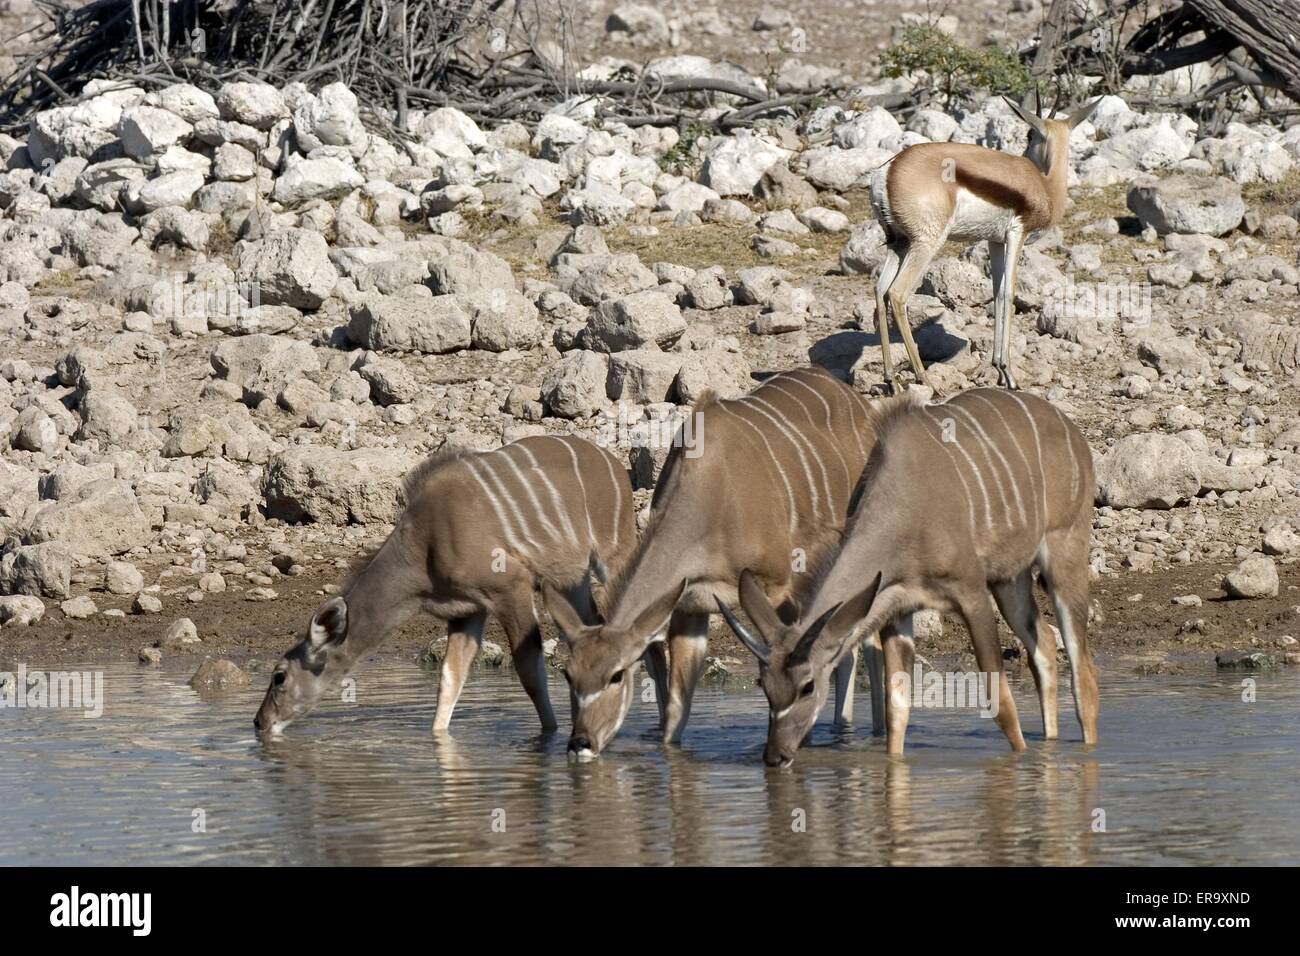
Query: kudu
{"type": "Point", "coordinates": [958, 499]}
{"type": "Point", "coordinates": [479, 531]}
{"type": "Point", "coordinates": [931, 193]}
{"type": "Point", "coordinates": [767, 488]}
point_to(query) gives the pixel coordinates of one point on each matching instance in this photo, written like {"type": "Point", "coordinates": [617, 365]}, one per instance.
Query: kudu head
{"type": "Point", "coordinates": [310, 668]}
{"type": "Point", "coordinates": [602, 665]}
{"type": "Point", "coordinates": [1049, 139]}
{"type": "Point", "coordinates": [794, 660]}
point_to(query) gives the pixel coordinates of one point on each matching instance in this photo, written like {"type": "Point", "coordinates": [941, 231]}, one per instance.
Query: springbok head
{"type": "Point", "coordinates": [795, 660]}
{"type": "Point", "coordinates": [602, 666]}
{"type": "Point", "coordinates": [1048, 137]}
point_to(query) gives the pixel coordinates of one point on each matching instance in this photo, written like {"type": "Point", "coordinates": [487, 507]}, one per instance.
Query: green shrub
{"type": "Point", "coordinates": [953, 71]}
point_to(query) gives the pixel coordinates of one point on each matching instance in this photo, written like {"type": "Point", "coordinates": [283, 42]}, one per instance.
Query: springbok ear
{"type": "Point", "coordinates": [1083, 112]}
{"type": "Point", "coordinates": [329, 624]}
{"type": "Point", "coordinates": [655, 618]}
{"type": "Point", "coordinates": [754, 600]}
{"type": "Point", "coordinates": [831, 632]}
{"type": "Point", "coordinates": [566, 618]}
{"type": "Point", "coordinates": [1033, 121]}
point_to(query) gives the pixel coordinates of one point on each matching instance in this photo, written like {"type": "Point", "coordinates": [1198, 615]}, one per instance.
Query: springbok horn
{"type": "Point", "coordinates": [760, 649]}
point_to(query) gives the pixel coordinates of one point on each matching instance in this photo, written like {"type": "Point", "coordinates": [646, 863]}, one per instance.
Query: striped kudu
{"type": "Point", "coordinates": [932, 193]}
{"type": "Point", "coordinates": [957, 499]}
{"type": "Point", "coordinates": [769, 490]}
{"type": "Point", "coordinates": [480, 530]}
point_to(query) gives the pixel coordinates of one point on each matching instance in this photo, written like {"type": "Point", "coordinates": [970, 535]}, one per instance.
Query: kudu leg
{"type": "Point", "coordinates": [900, 656]}
{"type": "Point", "coordinates": [688, 646]}
{"type": "Point", "coordinates": [873, 658]}
{"type": "Point", "coordinates": [978, 615]}
{"type": "Point", "coordinates": [464, 637]}
{"type": "Point", "coordinates": [888, 272]}
{"type": "Point", "coordinates": [1016, 602]}
{"type": "Point", "coordinates": [1067, 582]}
{"type": "Point", "coordinates": [656, 665]}
{"type": "Point", "coordinates": [519, 621]}
{"type": "Point", "coordinates": [845, 672]}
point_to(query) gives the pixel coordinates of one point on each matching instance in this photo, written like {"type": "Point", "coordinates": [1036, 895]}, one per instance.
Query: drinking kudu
{"type": "Point", "coordinates": [958, 499]}
{"type": "Point", "coordinates": [479, 531]}
{"type": "Point", "coordinates": [766, 486]}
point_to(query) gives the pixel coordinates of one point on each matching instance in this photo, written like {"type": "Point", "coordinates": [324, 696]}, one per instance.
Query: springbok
{"type": "Point", "coordinates": [769, 489]}
{"type": "Point", "coordinates": [480, 530]}
{"type": "Point", "coordinates": [958, 499]}
{"type": "Point", "coordinates": [931, 193]}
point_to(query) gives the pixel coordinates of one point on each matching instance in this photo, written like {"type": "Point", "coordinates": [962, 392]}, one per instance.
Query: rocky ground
{"type": "Point", "coordinates": [228, 325]}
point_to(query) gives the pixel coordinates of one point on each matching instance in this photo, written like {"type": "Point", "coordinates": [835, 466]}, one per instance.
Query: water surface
{"type": "Point", "coordinates": [1186, 773]}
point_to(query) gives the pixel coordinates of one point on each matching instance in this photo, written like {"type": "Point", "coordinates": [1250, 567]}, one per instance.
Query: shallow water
{"type": "Point", "coordinates": [1186, 773]}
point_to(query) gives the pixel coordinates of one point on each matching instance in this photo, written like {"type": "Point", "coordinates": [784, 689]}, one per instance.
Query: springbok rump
{"type": "Point", "coordinates": [767, 488]}
{"type": "Point", "coordinates": [931, 193]}
{"type": "Point", "coordinates": [958, 499]}
{"type": "Point", "coordinates": [479, 532]}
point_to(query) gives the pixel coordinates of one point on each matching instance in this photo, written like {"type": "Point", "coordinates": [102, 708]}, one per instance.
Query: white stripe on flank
{"type": "Point", "coordinates": [794, 508]}
{"type": "Point", "coordinates": [582, 486]}
{"type": "Point", "coordinates": [496, 503]}
{"type": "Point", "coordinates": [988, 503]}
{"type": "Point", "coordinates": [830, 427]}
{"type": "Point", "coordinates": [855, 405]}
{"type": "Point", "coordinates": [515, 514]}
{"type": "Point", "coordinates": [791, 431]}
{"type": "Point", "coordinates": [618, 498]}
{"type": "Point", "coordinates": [561, 508]}
{"type": "Point", "coordinates": [532, 495]}
{"type": "Point", "coordinates": [988, 441]}
{"type": "Point", "coordinates": [1039, 518]}
{"type": "Point", "coordinates": [1038, 445]}
{"type": "Point", "coordinates": [1074, 459]}
{"type": "Point", "coordinates": [965, 486]}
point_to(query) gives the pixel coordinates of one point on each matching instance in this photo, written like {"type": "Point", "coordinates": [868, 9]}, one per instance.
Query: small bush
{"type": "Point", "coordinates": [953, 71]}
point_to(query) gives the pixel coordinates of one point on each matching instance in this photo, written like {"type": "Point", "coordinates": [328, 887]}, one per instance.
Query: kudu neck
{"type": "Point", "coordinates": [381, 597]}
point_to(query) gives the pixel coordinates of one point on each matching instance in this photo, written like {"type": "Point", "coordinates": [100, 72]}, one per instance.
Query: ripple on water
{"type": "Point", "coordinates": [1186, 773]}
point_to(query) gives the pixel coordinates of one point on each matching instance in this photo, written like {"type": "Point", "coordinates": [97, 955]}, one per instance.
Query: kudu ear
{"type": "Point", "coordinates": [329, 624]}
{"type": "Point", "coordinates": [760, 610]}
{"type": "Point", "coordinates": [596, 567]}
{"type": "Point", "coordinates": [1083, 112]}
{"type": "Point", "coordinates": [1033, 121]}
{"type": "Point", "coordinates": [565, 616]}
{"type": "Point", "coordinates": [655, 618]}
{"type": "Point", "coordinates": [789, 611]}
{"type": "Point", "coordinates": [832, 631]}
